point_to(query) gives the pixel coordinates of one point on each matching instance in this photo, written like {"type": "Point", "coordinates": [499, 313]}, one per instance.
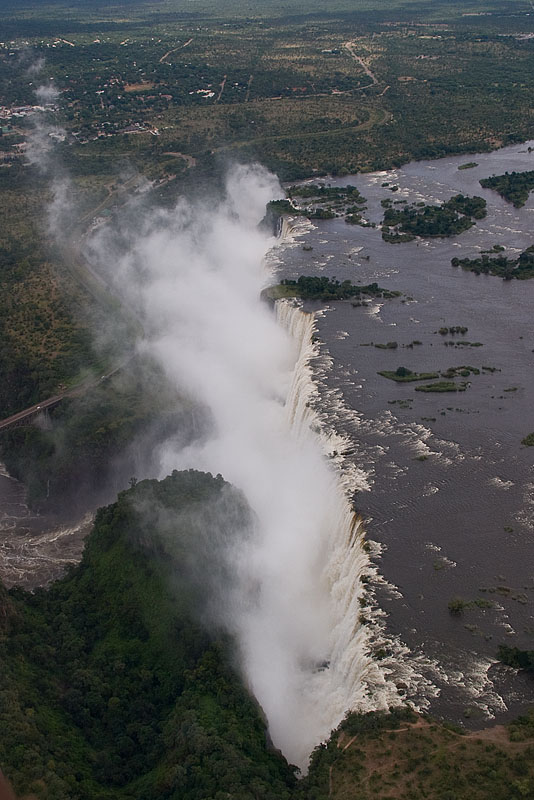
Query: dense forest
{"type": "Point", "coordinates": [111, 686]}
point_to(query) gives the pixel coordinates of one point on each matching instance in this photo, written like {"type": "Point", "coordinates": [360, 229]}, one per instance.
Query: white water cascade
{"type": "Point", "coordinates": [196, 273]}
{"type": "Point", "coordinates": [348, 678]}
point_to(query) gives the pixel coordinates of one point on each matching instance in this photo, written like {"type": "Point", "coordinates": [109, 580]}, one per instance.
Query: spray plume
{"type": "Point", "coordinates": [195, 275]}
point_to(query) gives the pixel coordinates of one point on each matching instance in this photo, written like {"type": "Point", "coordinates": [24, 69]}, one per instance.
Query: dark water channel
{"type": "Point", "coordinates": [449, 492]}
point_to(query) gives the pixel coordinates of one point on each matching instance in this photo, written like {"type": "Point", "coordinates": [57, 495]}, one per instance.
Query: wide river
{"type": "Point", "coordinates": [446, 487]}
{"type": "Point", "coordinates": [443, 481]}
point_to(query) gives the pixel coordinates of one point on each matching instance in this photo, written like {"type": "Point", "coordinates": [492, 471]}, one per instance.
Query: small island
{"type": "Point", "coordinates": [311, 287]}
{"type": "Point", "coordinates": [404, 375]}
{"type": "Point", "coordinates": [442, 386]}
{"type": "Point", "coordinates": [453, 217]}
{"type": "Point", "coordinates": [468, 165]}
{"type": "Point", "coordinates": [317, 201]}
{"type": "Point", "coordinates": [506, 268]}
{"type": "Point", "coordinates": [514, 187]}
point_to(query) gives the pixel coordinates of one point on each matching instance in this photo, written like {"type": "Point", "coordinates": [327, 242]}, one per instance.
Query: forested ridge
{"type": "Point", "coordinates": [110, 685]}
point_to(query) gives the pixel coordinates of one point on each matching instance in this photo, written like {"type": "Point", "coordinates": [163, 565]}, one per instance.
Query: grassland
{"type": "Point", "coordinates": [383, 757]}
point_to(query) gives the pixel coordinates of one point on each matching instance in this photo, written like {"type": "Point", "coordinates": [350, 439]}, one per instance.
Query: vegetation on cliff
{"type": "Point", "coordinates": [114, 688]}
{"type": "Point", "coordinates": [111, 686]}
{"type": "Point", "coordinates": [400, 756]}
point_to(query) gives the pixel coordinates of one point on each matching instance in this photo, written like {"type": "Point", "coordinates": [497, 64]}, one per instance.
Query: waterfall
{"type": "Point", "coordinates": [301, 576]}
{"type": "Point", "coordinates": [349, 678]}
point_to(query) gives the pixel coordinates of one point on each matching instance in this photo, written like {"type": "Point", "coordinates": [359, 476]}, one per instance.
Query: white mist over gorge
{"type": "Point", "coordinates": [194, 274]}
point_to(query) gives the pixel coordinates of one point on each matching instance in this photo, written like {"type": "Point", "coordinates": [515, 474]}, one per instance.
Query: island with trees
{"type": "Point", "coordinates": [504, 267]}
{"type": "Point", "coordinates": [514, 187]}
{"type": "Point", "coordinates": [319, 201]}
{"type": "Point", "coordinates": [405, 375]}
{"type": "Point", "coordinates": [449, 219]}
{"type": "Point", "coordinates": [312, 287]}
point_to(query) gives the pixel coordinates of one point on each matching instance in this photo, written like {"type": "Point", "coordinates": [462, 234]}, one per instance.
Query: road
{"type": "Point", "coordinates": [162, 59]}
{"type": "Point", "coordinates": [377, 116]}
{"type": "Point", "coordinates": [350, 46]}
{"type": "Point", "coordinates": [50, 402]}
{"type": "Point", "coordinates": [249, 84]}
{"type": "Point", "coordinates": [223, 84]}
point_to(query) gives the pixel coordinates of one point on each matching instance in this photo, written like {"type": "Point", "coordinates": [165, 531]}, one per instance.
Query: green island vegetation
{"type": "Point", "coordinates": [514, 657]}
{"type": "Point", "coordinates": [453, 217]}
{"type": "Point", "coordinates": [318, 201]}
{"type": "Point", "coordinates": [468, 165]}
{"type": "Point", "coordinates": [405, 375]}
{"type": "Point", "coordinates": [457, 606]}
{"type": "Point", "coordinates": [462, 343]}
{"type": "Point", "coordinates": [111, 687]}
{"type": "Point", "coordinates": [327, 202]}
{"type": "Point", "coordinates": [528, 440]}
{"type": "Point", "coordinates": [452, 330]}
{"type": "Point", "coordinates": [506, 268]}
{"type": "Point", "coordinates": [442, 386]}
{"type": "Point", "coordinates": [464, 371]}
{"type": "Point", "coordinates": [310, 287]}
{"type": "Point", "coordinates": [514, 187]}
{"type": "Point", "coordinates": [497, 248]}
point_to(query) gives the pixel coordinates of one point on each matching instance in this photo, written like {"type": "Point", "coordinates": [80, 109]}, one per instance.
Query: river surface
{"type": "Point", "coordinates": [442, 480]}
{"type": "Point", "coordinates": [444, 484]}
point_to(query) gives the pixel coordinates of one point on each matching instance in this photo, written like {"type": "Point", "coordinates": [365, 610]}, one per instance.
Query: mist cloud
{"type": "Point", "coordinates": [194, 274]}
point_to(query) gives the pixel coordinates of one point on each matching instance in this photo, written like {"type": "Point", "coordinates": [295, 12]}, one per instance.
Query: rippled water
{"type": "Point", "coordinates": [446, 488]}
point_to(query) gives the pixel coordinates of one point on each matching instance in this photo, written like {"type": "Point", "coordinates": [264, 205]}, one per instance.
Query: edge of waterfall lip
{"type": "Point", "coordinates": [391, 678]}
{"type": "Point", "coordinates": [397, 674]}
{"type": "Point", "coordinates": [402, 675]}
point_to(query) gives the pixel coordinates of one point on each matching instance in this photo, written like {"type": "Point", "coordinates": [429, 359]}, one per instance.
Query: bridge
{"type": "Point", "coordinates": [27, 416]}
